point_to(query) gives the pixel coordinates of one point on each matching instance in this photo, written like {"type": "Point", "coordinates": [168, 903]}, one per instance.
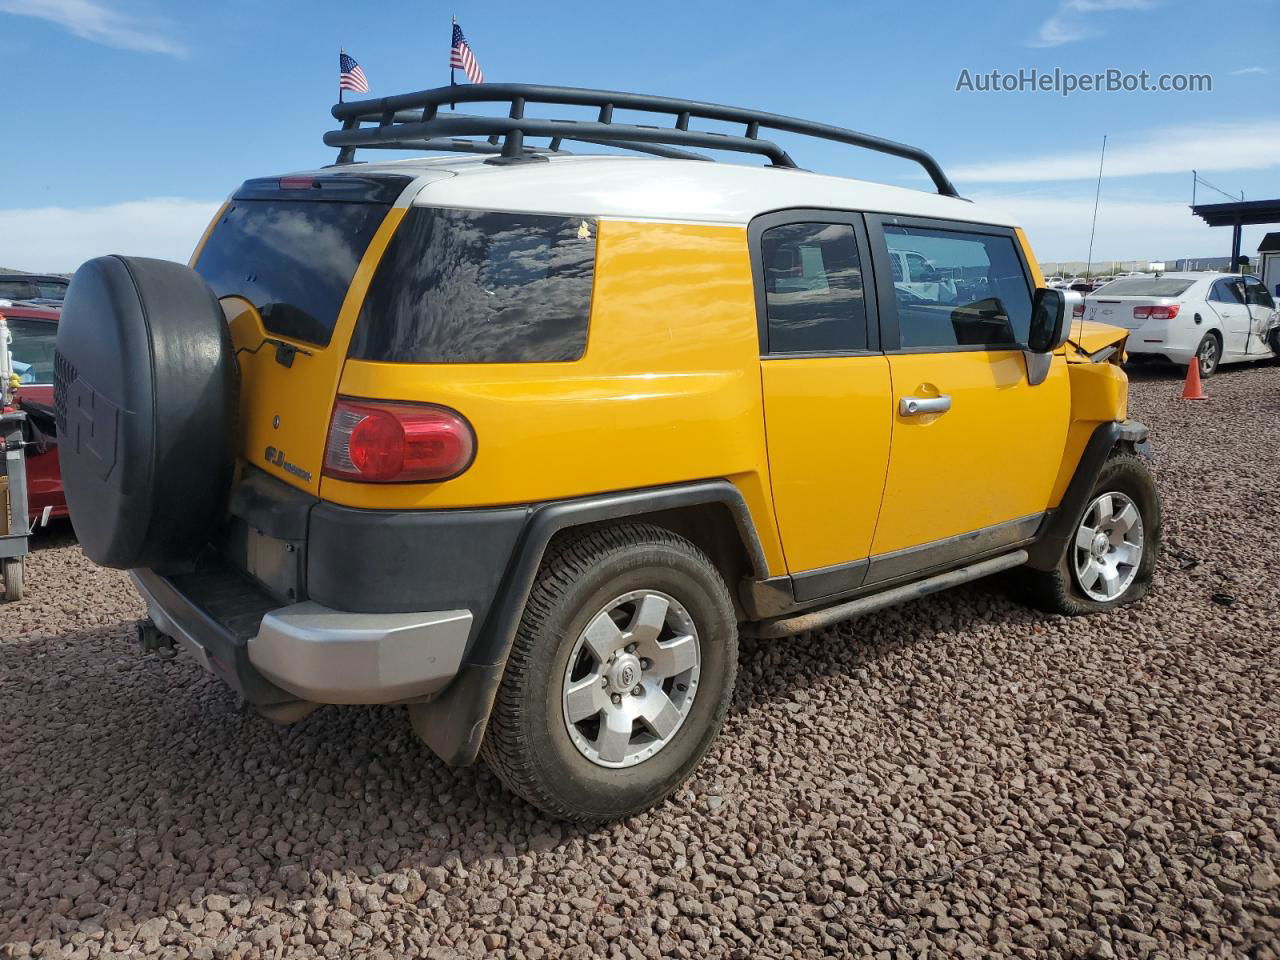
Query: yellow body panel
{"type": "Point", "coordinates": [668, 390]}
{"type": "Point", "coordinates": [828, 424]}
{"type": "Point", "coordinates": [993, 457]}
{"type": "Point", "coordinates": [285, 410]}
{"type": "Point", "coordinates": [671, 388]}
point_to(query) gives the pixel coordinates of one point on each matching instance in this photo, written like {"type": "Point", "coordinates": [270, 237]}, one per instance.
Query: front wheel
{"type": "Point", "coordinates": [1111, 557]}
{"type": "Point", "coordinates": [619, 677]}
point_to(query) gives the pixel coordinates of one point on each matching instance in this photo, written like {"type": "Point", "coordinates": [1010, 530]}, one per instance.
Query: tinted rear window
{"type": "Point", "coordinates": [1145, 287]}
{"type": "Point", "coordinates": [465, 286]}
{"type": "Point", "coordinates": [292, 259]}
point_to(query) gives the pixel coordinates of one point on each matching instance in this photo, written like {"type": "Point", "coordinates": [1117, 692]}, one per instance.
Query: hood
{"type": "Point", "coordinates": [1088, 341]}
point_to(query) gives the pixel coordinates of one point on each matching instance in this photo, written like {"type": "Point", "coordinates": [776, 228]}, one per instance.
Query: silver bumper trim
{"type": "Point", "coordinates": [334, 656]}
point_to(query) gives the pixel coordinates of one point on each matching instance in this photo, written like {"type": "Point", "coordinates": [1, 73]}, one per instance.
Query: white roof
{"type": "Point", "coordinates": [650, 188]}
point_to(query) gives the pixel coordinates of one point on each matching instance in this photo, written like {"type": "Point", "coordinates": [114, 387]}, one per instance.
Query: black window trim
{"type": "Point", "coordinates": [781, 218]}
{"type": "Point", "coordinates": [890, 334]}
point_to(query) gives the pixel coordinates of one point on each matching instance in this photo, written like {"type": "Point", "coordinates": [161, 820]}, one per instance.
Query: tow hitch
{"type": "Point", "coordinates": [152, 640]}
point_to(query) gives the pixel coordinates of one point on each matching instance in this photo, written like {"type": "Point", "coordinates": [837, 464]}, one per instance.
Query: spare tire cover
{"type": "Point", "coordinates": [146, 391]}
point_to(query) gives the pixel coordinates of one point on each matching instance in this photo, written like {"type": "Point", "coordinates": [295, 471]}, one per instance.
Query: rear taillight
{"type": "Point", "coordinates": [1156, 313]}
{"type": "Point", "coordinates": [375, 442]}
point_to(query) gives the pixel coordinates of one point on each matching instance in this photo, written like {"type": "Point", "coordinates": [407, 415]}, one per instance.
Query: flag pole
{"type": "Point", "coordinates": [341, 51]}
{"type": "Point", "coordinates": [452, 81]}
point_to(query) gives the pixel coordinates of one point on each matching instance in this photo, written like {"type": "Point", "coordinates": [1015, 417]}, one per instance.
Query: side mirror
{"type": "Point", "coordinates": [1049, 319]}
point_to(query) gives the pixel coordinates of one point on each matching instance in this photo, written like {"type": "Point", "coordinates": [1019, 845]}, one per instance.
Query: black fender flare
{"type": "Point", "coordinates": [1059, 525]}
{"type": "Point", "coordinates": [453, 723]}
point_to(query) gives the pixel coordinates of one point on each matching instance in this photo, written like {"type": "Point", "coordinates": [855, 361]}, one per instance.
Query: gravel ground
{"type": "Point", "coordinates": [960, 777]}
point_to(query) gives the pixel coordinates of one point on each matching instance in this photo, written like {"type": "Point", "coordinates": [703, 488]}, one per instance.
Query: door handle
{"type": "Point", "coordinates": [916, 406]}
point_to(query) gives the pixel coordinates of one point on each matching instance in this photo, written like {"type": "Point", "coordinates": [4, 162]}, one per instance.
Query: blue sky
{"type": "Point", "coordinates": [127, 121]}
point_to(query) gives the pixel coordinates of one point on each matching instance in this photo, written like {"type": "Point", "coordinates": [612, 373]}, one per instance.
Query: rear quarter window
{"type": "Point", "coordinates": [467, 286]}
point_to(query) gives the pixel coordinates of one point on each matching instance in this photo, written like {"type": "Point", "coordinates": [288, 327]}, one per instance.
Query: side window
{"type": "Point", "coordinates": [467, 286]}
{"type": "Point", "coordinates": [962, 289]}
{"type": "Point", "coordinates": [813, 288]}
{"type": "Point", "coordinates": [1227, 291]}
{"type": "Point", "coordinates": [1256, 294]}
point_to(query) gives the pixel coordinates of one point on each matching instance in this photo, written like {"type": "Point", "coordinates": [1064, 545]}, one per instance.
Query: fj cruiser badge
{"type": "Point", "coordinates": [276, 458]}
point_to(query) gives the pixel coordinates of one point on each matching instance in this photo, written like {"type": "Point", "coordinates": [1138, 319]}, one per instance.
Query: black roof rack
{"type": "Point", "coordinates": [413, 121]}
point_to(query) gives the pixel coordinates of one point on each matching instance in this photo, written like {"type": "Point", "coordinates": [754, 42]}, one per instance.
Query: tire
{"type": "Point", "coordinates": [530, 742]}
{"type": "Point", "coordinates": [146, 390]}
{"type": "Point", "coordinates": [1209, 354]}
{"type": "Point", "coordinates": [1061, 589]}
{"type": "Point", "coordinates": [14, 587]}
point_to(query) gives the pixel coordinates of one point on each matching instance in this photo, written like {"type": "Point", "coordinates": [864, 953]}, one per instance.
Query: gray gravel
{"type": "Point", "coordinates": [960, 777]}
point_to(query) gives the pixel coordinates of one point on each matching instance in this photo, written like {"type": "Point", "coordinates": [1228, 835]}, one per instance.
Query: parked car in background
{"type": "Point", "coordinates": [33, 286]}
{"type": "Point", "coordinates": [1219, 318]}
{"type": "Point", "coordinates": [33, 331]}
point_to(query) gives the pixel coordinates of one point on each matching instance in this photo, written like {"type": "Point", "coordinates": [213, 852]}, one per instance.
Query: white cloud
{"type": "Point", "coordinates": [1248, 71]}
{"type": "Point", "coordinates": [1072, 20]}
{"type": "Point", "coordinates": [96, 23]}
{"type": "Point", "coordinates": [61, 238]}
{"type": "Point", "coordinates": [1246, 145]}
{"type": "Point", "coordinates": [1129, 227]}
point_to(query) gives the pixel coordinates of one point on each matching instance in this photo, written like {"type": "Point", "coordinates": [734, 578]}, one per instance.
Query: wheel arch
{"type": "Point", "coordinates": [1058, 526]}
{"type": "Point", "coordinates": [712, 514]}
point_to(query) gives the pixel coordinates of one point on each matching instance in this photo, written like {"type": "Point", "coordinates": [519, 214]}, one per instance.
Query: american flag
{"type": "Point", "coordinates": [461, 57]}
{"type": "Point", "coordinates": [350, 76]}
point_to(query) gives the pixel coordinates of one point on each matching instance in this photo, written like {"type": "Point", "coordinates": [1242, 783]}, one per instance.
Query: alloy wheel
{"type": "Point", "coordinates": [1108, 546]}
{"type": "Point", "coordinates": [631, 679]}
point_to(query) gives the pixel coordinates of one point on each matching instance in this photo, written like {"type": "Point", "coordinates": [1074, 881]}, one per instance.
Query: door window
{"type": "Point", "coordinates": [959, 289]}
{"type": "Point", "coordinates": [1227, 291]}
{"type": "Point", "coordinates": [1256, 295]}
{"type": "Point", "coordinates": [813, 289]}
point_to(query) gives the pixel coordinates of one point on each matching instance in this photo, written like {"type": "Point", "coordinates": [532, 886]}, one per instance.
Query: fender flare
{"type": "Point", "coordinates": [453, 723]}
{"type": "Point", "coordinates": [1059, 526]}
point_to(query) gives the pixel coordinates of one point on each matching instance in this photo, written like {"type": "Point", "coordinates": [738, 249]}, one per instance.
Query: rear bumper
{"type": "Point", "coordinates": [307, 651]}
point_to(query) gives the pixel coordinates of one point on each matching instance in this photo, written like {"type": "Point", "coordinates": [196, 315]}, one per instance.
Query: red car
{"type": "Point", "coordinates": [33, 331]}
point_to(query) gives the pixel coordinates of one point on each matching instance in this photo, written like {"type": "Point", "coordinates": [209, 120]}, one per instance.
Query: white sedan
{"type": "Point", "coordinates": [1217, 317]}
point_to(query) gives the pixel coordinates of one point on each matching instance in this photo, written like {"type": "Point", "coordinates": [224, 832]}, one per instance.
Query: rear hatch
{"type": "Point", "coordinates": [290, 259]}
{"type": "Point", "coordinates": [1131, 302]}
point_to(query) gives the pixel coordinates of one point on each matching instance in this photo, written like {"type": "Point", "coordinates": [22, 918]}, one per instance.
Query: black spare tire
{"type": "Point", "coordinates": [147, 392]}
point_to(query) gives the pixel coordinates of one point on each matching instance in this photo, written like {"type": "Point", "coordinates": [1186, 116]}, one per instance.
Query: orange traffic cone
{"type": "Point", "coordinates": [1191, 390]}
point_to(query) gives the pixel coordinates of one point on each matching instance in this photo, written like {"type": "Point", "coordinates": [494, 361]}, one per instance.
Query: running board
{"type": "Point", "coordinates": [818, 619]}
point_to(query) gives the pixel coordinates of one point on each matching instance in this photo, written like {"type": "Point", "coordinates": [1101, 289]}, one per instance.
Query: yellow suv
{"type": "Point", "coordinates": [525, 439]}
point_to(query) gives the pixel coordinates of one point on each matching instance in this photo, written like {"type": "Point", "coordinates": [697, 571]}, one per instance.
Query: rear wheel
{"type": "Point", "coordinates": [1209, 354]}
{"type": "Point", "coordinates": [619, 677]}
{"type": "Point", "coordinates": [1112, 554]}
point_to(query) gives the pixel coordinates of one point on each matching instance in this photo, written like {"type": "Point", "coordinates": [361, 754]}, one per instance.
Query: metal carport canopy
{"type": "Point", "coordinates": [1239, 212]}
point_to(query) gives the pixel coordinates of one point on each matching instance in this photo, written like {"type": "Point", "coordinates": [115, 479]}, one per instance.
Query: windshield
{"type": "Point", "coordinates": [1146, 287]}
{"type": "Point", "coordinates": [32, 349]}
{"type": "Point", "coordinates": [292, 259]}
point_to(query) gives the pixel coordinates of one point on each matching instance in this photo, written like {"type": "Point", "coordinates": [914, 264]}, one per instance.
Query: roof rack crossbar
{"type": "Point", "coordinates": [468, 145]}
{"type": "Point", "coordinates": [416, 117]}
